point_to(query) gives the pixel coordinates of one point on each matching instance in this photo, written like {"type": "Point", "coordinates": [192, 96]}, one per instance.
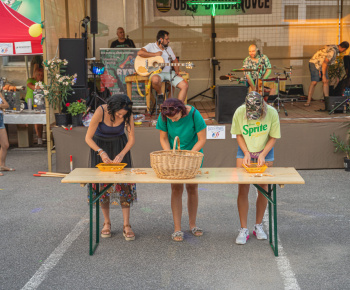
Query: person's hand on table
{"type": "Point", "coordinates": [246, 159]}
{"type": "Point", "coordinates": [261, 160]}
{"type": "Point", "coordinates": [105, 158]}
{"type": "Point", "coordinates": [118, 158]}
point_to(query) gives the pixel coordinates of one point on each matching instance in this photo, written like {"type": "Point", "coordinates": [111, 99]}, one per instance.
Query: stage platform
{"type": "Point", "coordinates": [304, 144]}
{"type": "Point", "coordinates": [297, 113]}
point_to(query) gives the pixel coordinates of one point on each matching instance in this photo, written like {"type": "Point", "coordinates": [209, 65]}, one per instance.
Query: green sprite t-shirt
{"type": "Point", "coordinates": [256, 133]}
{"type": "Point", "coordinates": [29, 94]}
{"type": "Point", "coordinates": [186, 129]}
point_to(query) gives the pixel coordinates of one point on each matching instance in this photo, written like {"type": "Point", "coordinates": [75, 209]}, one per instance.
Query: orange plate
{"type": "Point", "coordinates": [253, 168]}
{"type": "Point", "coordinates": [111, 167]}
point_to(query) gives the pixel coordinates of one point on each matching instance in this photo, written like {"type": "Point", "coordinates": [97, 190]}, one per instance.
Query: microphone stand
{"type": "Point", "coordinates": [170, 77]}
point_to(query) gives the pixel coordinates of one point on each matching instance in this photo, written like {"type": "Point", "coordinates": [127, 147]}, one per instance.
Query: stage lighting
{"type": "Point", "coordinates": [85, 22]}
{"type": "Point", "coordinates": [97, 68]}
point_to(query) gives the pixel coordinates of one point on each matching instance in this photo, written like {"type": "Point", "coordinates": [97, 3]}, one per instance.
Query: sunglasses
{"type": "Point", "coordinates": [170, 109]}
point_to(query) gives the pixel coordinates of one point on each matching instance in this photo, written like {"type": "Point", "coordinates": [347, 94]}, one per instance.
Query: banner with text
{"type": "Point", "coordinates": [119, 63]}
{"type": "Point", "coordinates": [181, 8]}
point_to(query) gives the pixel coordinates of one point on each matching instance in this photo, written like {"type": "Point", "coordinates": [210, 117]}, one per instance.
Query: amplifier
{"type": "Point", "coordinates": [227, 100]}
{"type": "Point", "coordinates": [295, 90]}
{"type": "Point", "coordinates": [332, 101]}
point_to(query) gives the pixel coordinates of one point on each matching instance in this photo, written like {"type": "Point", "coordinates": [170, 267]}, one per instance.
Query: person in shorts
{"type": "Point", "coordinates": [161, 48]}
{"type": "Point", "coordinates": [256, 125]}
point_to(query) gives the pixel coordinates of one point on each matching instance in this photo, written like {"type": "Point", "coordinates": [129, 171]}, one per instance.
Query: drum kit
{"type": "Point", "coordinates": [278, 100]}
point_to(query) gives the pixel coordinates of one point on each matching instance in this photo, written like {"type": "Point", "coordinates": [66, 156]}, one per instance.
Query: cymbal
{"type": "Point", "coordinates": [228, 77]}
{"type": "Point", "coordinates": [244, 69]}
{"type": "Point", "coordinates": [282, 68]}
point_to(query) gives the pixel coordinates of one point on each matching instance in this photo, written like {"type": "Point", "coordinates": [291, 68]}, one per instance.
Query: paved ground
{"type": "Point", "coordinates": [44, 237]}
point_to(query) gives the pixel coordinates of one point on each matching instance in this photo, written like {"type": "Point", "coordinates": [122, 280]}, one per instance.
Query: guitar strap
{"type": "Point", "coordinates": [148, 86]}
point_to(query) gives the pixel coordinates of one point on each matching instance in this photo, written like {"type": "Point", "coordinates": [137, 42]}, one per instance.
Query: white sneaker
{"type": "Point", "coordinates": [259, 232]}
{"type": "Point", "coordinates": [243, 236]}
{"type": "Point", "coordinates": [40, 141]}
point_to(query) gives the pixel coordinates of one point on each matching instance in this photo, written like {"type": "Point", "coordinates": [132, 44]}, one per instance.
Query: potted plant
{"type": "Point", "coordinates": [76, 109]}
{"type": "Point", "coordinates": [58, 88]}
{"type": "Point", "coordinates": [340, 145]}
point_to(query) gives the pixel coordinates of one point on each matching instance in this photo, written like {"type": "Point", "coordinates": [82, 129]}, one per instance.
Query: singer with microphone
{"type": "Point", "coordinates": [122, 42]}
{"type": "Point", "coordinates": [254, 61]}
{"type": "Point", "coordinates": [161, 48]}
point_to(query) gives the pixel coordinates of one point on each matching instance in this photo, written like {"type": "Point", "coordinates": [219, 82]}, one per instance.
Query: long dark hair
{"type": "Point", "coordinates": [177, 104]}
{"type": "Point", "coordinates": [119, 102]}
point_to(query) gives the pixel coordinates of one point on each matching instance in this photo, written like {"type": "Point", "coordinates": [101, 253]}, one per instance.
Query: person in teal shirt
{"type": "Point", "coordinates": [257, 127]}
{"type": "Point", "coordinates": [184, 121]}
{"type": "Point", "coordinates": [31, 86]}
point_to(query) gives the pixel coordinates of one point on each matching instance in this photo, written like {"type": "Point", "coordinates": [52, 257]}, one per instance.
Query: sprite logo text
{"type": "Point", "coordinates": [257, 128]}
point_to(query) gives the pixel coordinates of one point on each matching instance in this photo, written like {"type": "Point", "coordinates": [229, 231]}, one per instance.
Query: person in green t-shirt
{"type": "Point", "coordinates": [257, 127]}
{"type": "Point", "coordinates": [31, 86]}
{"type": "Point", "coordinates": [178, 119]}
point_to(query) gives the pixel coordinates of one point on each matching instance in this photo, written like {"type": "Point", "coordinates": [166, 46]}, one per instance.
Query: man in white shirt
{"type": "Point", "coordinates": [161, 48]}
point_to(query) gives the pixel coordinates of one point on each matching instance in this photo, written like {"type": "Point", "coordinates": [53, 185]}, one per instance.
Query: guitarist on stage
{"type": "Point", "coordinates": [161, 48]}
{"type": "Point", "coordinates": [253, 61]}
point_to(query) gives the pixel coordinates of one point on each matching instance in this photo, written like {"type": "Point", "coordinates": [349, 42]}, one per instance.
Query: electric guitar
{"type": "Point", "coordinates": [145, 66]}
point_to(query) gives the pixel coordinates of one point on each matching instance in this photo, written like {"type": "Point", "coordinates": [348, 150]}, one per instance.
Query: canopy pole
{"type": "Point", "coordinates": [27, 69]}
{"type": "Point", "coordinates": [67, 18]}
{"type": "Point", "coordinates": [47, 106]}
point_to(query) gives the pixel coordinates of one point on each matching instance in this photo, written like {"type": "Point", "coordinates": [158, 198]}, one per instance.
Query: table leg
{"type": "Point", "coordinates": [275, 219]}
{"type": "Point", "coordinates": [97, 216]}
{"type": "Point", "coordinates": [270, 220]}
{"type": "Point", "coordinates": [97, 201]}
{"type": "Point", "coordinates": [91, 252]}
{"type": "Point", "coordinates": [129, 89]}
{"type": "Point", "coordinates": [272, 202]}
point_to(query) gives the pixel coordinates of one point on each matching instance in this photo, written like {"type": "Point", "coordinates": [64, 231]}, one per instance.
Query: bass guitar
{"type": "Point", "coordinates": [145, 66]}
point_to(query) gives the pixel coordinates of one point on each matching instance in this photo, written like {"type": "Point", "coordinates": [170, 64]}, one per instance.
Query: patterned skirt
{"type": "Point", "coordinates": [123, 194]}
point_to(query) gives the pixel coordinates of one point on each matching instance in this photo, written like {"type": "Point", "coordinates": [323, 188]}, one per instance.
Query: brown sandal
{"type": "Point", "coordinates": [307, 105]}
{"type": "Point", "coordinates": [106, 233]}
{"type": "Point", "coordinates": [129, 236]}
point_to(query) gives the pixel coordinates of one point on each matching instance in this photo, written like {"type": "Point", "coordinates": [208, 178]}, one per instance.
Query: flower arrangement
{"type": "Point", "coordinates": [76, 108]}
{"type": "Point", "coordinates": [59, 86]}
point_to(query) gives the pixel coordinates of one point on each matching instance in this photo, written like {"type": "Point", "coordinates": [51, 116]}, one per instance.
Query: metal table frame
{"type": "Point", "coordinates": [216, 176]}
{"type": "Point", "coordinates": [270, 195]}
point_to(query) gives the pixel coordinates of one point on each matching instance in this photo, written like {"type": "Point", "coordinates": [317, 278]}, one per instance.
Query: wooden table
{"type": "Point", "coordinates": [281, 176]}
{"type": "Point", "coordinates": [132, 79]}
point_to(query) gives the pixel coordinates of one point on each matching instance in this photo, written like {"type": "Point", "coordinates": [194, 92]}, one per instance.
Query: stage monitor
{"type": "Point", "coordinates": [73, 50]}
{"type": "Point", "coordinates": [227, 100]}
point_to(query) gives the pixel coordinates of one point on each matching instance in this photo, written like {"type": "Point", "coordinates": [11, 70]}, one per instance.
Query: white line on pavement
{"type": "Point", "coordinates": [283, 265]}
{"type": "Point", "coordinates": [57, 254]}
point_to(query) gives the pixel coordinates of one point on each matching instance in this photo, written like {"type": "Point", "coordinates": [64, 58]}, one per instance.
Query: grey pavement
{"type": "Point", "coordinates": [38, 214]}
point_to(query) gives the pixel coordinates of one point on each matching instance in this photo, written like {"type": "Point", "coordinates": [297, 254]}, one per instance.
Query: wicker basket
{"type": "Point", "coordinates": [176, 164]}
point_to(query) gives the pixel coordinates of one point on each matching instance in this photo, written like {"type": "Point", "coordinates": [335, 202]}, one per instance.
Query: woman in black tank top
{"type": "Point", "coordinates": [109, 144]}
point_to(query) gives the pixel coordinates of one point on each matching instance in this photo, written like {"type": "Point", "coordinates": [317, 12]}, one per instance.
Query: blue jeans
{"type": "Point", "coordinates": [269, 157]}
{"type": "Point", "coordinates": [316, 75]}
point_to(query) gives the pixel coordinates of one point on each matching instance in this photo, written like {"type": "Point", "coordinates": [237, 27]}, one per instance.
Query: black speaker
{"type": "Point", "coordinates": [333, 101]}
{"type": "Point", "coordinates": [295, 90]}
{"type": "Point", "coordinates": [227, 100]}
{"type": "Point", "coordinates": [93, 21]}
{"type": "Point", "coordinates": [76, 94]}
{"type": "Point", "coordinates": [74, 50]}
